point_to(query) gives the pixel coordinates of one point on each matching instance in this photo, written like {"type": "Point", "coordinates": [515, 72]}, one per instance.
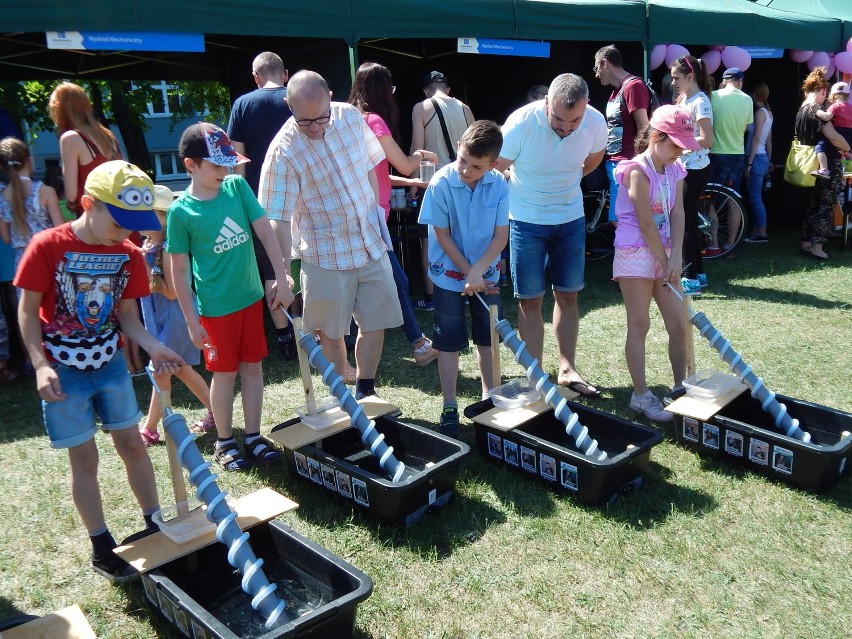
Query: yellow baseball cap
{"type": "Point", "coordinates": [127, 192]}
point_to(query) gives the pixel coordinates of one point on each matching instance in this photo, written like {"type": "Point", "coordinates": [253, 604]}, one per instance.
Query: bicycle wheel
{"type": "Point", "coordinates": [722, 220]}
{"type": "Point", "coordinates": [600, 233]}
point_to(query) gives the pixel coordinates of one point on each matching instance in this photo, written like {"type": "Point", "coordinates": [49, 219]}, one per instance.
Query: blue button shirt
{"type": "Point", "coordinates": [471, 215]}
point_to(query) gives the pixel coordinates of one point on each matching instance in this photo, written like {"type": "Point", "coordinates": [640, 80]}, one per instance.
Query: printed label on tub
{"type": "Point", "coordinates": [328, 477]}
{"type": "Point", "coordinates": [690, 429]}
{"type": "Point", "coordinates": [150, 589]}
{"type": "Point", "coordinates": [568, 476]}
{"type": "Point", "coordinates": [197, 631]}
{"type": "Point", "coordinates": [528, 459]}
{"type": "Point", "coordinates": [301, 464]}
{"type": "Point", "coordinates": [510, 452]}
{"type": "Point", "coordinates": [314, 470]}
{"type": "Point", "coordinates": [344, 484]}
{"type": "Point", "coordinates": [710, 435]}
{"type": "Point", "coordinates": [734, 443]}
{"type": "Point", "coordinates": [359, 491]}
{"type": "Point", "coordinates": [547, 467]}
{"type": "Point", "coordinates": [166, 606]}
{"type": "Point", "coordinates": [782, 460]}
{"type": "Point", "coordinates": [758, 452]}
{"type": "Point", "coordinates": [495, 445]}
{"type": "Point", "coordinates": [433, 495]}
{"type": "Point", "coordinates": [181, 621]}
{"type": "Point", "coordinates": [842, 466]}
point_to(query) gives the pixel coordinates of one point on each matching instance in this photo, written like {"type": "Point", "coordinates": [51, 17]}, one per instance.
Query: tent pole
{"type": "Point", "coordinates": [353, 60]}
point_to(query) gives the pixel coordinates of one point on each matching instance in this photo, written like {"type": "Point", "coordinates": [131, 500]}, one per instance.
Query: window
{"type": "Point", "coordinates": [167, 164]}
{"type": "Point", "coordinates": [164, 100]}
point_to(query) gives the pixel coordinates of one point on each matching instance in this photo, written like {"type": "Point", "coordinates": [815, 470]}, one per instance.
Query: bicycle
{"type": "Point", "coordinates": [600, 232]}
{"type": "Point", "coordinates": [722, 220]}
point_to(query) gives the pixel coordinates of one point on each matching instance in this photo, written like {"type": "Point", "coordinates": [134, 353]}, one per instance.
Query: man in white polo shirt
{"type": "Point", "coordinates": [550, 145]}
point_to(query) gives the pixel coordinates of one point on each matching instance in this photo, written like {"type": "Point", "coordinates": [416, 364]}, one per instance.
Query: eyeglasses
{"type": "Point", "coordinates": [306, 122]}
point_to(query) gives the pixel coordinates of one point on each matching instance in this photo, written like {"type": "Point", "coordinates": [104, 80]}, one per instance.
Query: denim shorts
{"type": "Point", "coordinates": [564, 245]}
{"type": "Point", "coordinates": [727, 169]}
{"type": "Point", "coordinates": [106, 393]}
{"type": "Point", "coordinates": [450, 333]}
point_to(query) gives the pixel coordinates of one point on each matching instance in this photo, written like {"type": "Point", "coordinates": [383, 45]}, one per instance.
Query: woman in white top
{"type": "Point", "coordinates": [691, 82]}
{"type": "Point", "coordinates": [759, 163]}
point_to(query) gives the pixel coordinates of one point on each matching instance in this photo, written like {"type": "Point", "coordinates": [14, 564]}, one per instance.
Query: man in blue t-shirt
{"type": "Point", "coordinates": [255, 119]}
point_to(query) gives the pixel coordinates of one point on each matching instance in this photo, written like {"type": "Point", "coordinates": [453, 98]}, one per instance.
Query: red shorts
{"type": "Point", "coordinates": [236, 337]}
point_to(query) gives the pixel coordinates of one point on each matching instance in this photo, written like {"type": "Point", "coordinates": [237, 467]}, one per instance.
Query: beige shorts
{"type": "Point", "coordinates": [332, 298]}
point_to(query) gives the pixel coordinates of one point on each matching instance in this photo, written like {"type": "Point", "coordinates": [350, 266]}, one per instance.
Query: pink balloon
{"type": "Point", "coordinates": [712, 59]}
{"type": "Point", "coordinates": [736, 57]}
{"type": "Point", "coordinates": [798, 55]}
{"type": "Point", "coordinates": [673, 52]}
{"type": "Point", "coordinates": [849, 45]}
{"type": "Point", "coordinates": [818, 59]}
{"type": "Point", "coordinates": [843, 61]}
{"type": "Point", "coordinates": [717, 47]}
{"type": "Point", "coordinates": [831, 69]}
{"type": "Point", "coordinates": [658, 55]}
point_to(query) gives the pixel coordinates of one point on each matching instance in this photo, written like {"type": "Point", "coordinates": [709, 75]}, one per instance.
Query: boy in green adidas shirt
{"type": "Point", "coordinates": [211, 222]}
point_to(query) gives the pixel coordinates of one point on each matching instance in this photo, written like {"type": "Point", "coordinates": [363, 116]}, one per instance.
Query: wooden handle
{"type": "Point", "coordinates": [497, 376]}
{"type": "Point", "coordinates": [178, 484]}
{"type": "Point", "coordinates": [690, 339]}
{"type": "Point", "coordinates": [305, 368]}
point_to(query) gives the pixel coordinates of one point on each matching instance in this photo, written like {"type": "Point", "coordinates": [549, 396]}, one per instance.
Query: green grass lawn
{"type": "Point", "coordinates": [703, 549]}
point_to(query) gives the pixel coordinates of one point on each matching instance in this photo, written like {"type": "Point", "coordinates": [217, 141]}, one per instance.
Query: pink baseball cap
{"type": "Point", "coordinates": [676, 122]}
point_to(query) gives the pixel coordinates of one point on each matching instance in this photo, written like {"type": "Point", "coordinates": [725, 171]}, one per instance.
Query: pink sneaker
{"type": "Point", "coordinates": [204, 425]}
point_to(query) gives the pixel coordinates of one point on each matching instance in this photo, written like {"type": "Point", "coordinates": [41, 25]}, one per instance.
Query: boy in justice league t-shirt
{"type": "Point", "coordinates": [80, 282]}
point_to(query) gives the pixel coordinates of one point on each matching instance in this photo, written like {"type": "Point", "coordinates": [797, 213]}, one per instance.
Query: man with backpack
{"type": "Point", "coordinates": [627, 112]}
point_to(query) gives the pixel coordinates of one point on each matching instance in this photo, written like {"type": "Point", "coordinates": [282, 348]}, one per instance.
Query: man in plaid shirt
{"type": "Point", "coordinates": [318, 186]}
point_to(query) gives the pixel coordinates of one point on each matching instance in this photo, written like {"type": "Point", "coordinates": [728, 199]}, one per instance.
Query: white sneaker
{"type": "Point", "coordinates": [650, 406]}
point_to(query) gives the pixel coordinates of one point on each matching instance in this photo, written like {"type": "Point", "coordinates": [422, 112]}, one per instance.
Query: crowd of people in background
{"type": "Point", "coordinates": [294, 199]}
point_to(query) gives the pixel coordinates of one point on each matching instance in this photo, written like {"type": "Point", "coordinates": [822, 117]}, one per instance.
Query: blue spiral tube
{"type": "Point", "coordinates": [734, 360]}
{"type": "Point", "coordinates": [228, 532]}
{"type": "Point", "coordinates": [587, 445]}
{"type": "Point", "coordinates": [370, 437]}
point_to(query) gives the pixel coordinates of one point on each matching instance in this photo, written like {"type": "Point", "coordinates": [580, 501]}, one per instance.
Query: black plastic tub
{"type": "Point", "coordinates": [342, 465]}
{"type": "Point", "coordinates": [744, 434]}
{"type": "Point", "coordinates": [200, 594]}
{"type": "Point", "coordinates": [541, 449]}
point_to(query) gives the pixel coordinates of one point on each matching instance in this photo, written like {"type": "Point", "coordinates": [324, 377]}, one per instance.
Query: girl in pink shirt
{"type": "Point", "coordinates": [648, 243]}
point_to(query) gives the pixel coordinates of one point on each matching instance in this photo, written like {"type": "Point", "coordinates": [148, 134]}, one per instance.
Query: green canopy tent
{"type": "Point", "coordinates": [741, 22]}
{"type": "Point", "coordinates": [839, 9]}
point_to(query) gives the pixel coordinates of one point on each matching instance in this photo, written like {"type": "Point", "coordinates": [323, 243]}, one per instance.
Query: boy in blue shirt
{"type": "Point", "coordinates": [467, 209]}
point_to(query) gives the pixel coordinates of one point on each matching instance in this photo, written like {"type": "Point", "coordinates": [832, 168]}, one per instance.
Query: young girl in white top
{"type": "Point", "coordinates": [648, 243]}
{"type": "Point", "coordinates": [165, 321]}
{"type": "Point", "coordinates": [26, 206]}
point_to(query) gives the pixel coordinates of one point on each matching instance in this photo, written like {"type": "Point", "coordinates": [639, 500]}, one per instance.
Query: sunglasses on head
{"type": "Point", "coordinates": [683, 60]}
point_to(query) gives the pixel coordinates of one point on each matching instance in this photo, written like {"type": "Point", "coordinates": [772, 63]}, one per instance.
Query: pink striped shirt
{"type": "Point", "coordinates": [321, 187]}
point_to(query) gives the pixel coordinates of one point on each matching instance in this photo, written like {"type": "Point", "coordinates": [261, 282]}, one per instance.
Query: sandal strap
{"type": "Point", "coordinates": [230, 458]}
{"type": "Point", "coordinates": [262, 448]}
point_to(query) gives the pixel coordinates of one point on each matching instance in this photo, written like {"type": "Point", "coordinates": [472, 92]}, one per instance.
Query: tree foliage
{"type": "Point", "coordinates": [121, 103]}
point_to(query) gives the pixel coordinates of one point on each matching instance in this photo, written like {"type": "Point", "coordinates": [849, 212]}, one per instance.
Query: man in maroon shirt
{"type": "Point", "coordinates": [626, 112]}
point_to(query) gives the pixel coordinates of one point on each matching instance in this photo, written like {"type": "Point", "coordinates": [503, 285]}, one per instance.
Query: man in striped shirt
{"type": "Point", "coordinates": [318, 186]}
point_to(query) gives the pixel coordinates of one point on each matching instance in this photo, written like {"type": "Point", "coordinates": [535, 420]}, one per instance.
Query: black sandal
{"type": "Point", "coordinates": [230, 458]}
{"type": "Point", "coordinates": [262, 451]}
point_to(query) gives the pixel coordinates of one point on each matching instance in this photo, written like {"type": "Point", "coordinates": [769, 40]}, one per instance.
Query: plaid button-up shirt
{"type": "Point", "coordinates": [322, 188]}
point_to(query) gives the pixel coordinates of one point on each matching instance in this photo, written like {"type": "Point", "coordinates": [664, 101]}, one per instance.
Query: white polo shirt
{"type": "Point", "coordinates": [544, 187]}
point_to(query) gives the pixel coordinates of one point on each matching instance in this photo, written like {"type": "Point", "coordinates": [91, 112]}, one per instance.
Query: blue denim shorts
{"type": "Point", "coordinates": [563, 246]}
{"type": "Point", "coordinates": [106, 393]}
{"type": "Point", "coordinates": [727, 169]}
{"type": "Point", "coordinates": [450, 334]}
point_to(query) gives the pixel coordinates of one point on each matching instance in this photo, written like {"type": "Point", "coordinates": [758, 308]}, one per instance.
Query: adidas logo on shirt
{"type": "Point", "coordinates": [230, 235]}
